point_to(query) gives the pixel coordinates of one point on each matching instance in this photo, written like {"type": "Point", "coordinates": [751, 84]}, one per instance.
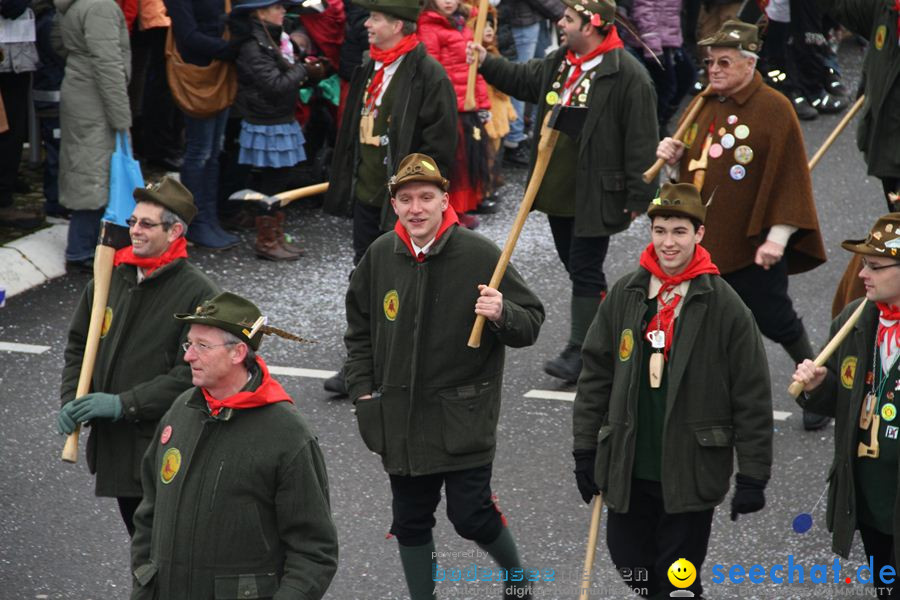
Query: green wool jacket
{"type": "Point", "coordinates": [841, 396]}
{"type": "Point", "coordinates": [879, 127]}
{"type": "Point", "coordinates": [140, 359]}
{"type": "Point", "coordinates": [618, 140]}
{"type": "Point", "coordinates": [246, 513]}
{"type": "Point", "coordinates": [718, 400]}
{"type": "Point", "coordinates": [423, 119]}
{"type": "Point", "coordinates": [437, 401]}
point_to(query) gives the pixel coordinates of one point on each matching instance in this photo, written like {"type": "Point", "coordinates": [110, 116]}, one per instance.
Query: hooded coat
{"type": "Point", "coordinates": [93, 98]}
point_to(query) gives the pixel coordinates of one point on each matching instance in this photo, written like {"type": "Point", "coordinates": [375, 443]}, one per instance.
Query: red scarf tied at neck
{"type": "Point", "coordinates": [700, 264]}
{"type": "Point", "coordinates": [268, 392]}
{"type": "Point", "coordinates": [610, 42]}
{"type": "Point", "coordinates": [177, 249]}
{"type": "Point", "coordinates": [386, 57]}
{"type": "Point", "coordinates": [449, 218]}
{"type": "Point", "coordinates": [888, 312]}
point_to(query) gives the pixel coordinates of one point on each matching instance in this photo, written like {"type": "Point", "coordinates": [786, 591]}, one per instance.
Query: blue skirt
{"type": "Point", "coordinates": [271, 145]}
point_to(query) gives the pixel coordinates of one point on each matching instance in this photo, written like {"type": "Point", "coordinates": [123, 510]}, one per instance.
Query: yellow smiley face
{"type": "Point", "coordinates": [682, 573]}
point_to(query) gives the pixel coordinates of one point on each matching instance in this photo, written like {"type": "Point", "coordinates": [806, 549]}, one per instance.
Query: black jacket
{"type": "Point", "coordinates": [267, 82]}
{"type": "Point", "coordinates": [529, 12]}
{"type": "Point", "coordinates": [356, 40]}
{"type": "Point", "coordinates": [198, 26]}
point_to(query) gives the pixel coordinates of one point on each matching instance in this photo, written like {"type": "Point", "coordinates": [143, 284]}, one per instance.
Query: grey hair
{"type": "Point", "coordinates": [250, 359]}
{"type": "Point", "coordinates": [748, 54]}
{"type": "Point", "coordinates": [169, 219]}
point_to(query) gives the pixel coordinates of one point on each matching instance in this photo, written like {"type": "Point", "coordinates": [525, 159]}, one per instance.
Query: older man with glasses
{"type": "Point", "coordinates": [745, 154]}
{"type": "Point", "coordinates": [139, 368]}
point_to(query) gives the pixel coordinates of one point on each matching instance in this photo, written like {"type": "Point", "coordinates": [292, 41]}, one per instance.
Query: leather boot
{"type": "Point", "coordinates": [286, 239]}
{"type": "Point", "coordinates": [799, 350]}
{"type": "Point", "coordinates": [566, 366]}
{"type": "Point", "coordinates": [268, 244]}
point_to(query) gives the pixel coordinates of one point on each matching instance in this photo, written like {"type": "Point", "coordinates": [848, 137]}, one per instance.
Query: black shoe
{"type": "Point", "coordinates": [487, 207]}
{"type": "Point", "coordinates": [336, 384]}
{"type": "Point", "coordinates": [80, 266]}
{"type": "Point", "coordinates": [520, 156]}
{"type": "Point", "coordinates": [805, 112]}
{"type": "Point", "coordinates": [814, 422]}
{"type": "Point", "coordinates": [566, 366]}
{"type": "Point", "coordinates": [834, 85]}
{"type": "Point", "coordinates": [830, 105]}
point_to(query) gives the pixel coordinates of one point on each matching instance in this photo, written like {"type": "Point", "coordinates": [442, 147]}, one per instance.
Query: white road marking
{"type": "Point", "coordinates": [778, 415]}
{"type": "Point", "coordinates": [26, 348]}
{"type": "Point", "coordinates": [295, 372]}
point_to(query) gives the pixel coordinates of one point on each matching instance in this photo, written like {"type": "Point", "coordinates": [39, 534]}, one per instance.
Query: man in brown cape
{"type": "Point", "coordinates": [745, 152]}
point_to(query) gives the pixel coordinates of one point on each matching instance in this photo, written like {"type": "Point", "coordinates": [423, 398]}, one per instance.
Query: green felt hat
{"type": "Point", "coordinates": [233, 314]}
{"type": "Point", "coordinates": [408, 10]}
{"type": "Point", "coordinates": [678, 200]}
{"type": "Point", "coordinates": [417, 167]}
{"type": "Point", "coordinates": [171, 194]}
{"type": "Point", "coordinates": [605, 10]}
{"type": "Point", "coordinates": [735, 34]}
{"type": "Point", "coordinates": [883, 239]}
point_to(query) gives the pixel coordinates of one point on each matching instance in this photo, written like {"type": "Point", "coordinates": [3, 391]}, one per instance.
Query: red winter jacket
{"type": "Point", "coordinates": [447, 45]}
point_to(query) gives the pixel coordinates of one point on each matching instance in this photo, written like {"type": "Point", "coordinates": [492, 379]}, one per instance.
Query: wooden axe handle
{"type": "Point", "coordinates": [480, 20]}
{"type": "Point", "coordinates": [837, 131]}
{"type": "Point", "coordinates": [103, 266]}
{"type": "Point", "coordinates": [584, 589]}
{"type": "Point", "coordinates": [304, 192]}
{"type": "Point", "coordinates": [651, 173]}
{"type": "Point", "coordinates": [796, 387]}
{"type": "Point", "coordinates": [545, 151]}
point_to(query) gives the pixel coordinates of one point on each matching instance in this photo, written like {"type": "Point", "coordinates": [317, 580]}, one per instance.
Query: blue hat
{"type": "Point", "coordinates": [242, 6]}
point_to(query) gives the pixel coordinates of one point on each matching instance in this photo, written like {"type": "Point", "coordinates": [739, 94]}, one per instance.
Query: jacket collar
{"type": "Point", "coordinates": [639, 282]}
{"type": "Point", "coordinates": [129, 272]}
{"type": "Point", "coordinates": [400, 246]}
{"type": "Point", "coordinates": [608, 66]}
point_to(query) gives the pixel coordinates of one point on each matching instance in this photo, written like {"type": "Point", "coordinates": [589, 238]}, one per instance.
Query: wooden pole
{"type": "Point", "coordinates": [584, 590]}
{"type": "Point", "coordinates": [480, 20]}
{"type": "Point", "coordinates": [837, 131]}
{"type": "Point", "coordinates": [651, 173]}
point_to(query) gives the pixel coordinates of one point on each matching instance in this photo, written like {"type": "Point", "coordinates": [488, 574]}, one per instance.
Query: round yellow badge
{"type": "Point", "coordinates": [552, 98]}
{"type": "Point", "coordinates": [880, 36]}
{"type": "Point", "coordinates": [626, 345]}
{"type": "Point", "coordinates": [107, 321]}
{"type": "Point", "coordinates": [848, 371]}
{"type": "Point", "coordinates": [888, 412]}
{"type": "Point", "coordinates": [682, 573]}
{"type": "Point", "coordinates": [391, 305]}
{"type": "Point", "coordinates": [171, 462]}
{"type": "Point", "coordinates": [690, 136]}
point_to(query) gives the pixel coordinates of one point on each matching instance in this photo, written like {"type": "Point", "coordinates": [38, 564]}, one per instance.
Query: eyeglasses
{"type": "Point", "coordinates": [145, 223]}
{"type": "Point", "coordinates": [723, 63]}
{"type": "Point", "coordinates": [873, 267]}
{"type": "Point", "coordinates": [201, 348]}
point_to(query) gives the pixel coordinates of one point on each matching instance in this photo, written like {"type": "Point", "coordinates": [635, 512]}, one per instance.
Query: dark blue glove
{"type": "Point", "coordinates": [748, 496]}
{"type": "Point", "coordinates": [96, 405]}
{"type": "Point", "coordinates": [65, 422]}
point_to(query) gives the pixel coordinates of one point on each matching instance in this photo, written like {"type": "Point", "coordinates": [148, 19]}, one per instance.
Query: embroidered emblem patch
{"type": "Point", "coordinates": [171, 462]}
{"type": "Point", "coordinates": [626, 345]}
{"type": "Point", "coordinates": [848, 371]}
{"type": "Point", "coordinates": [107, 322]}
{"type": "Point", "coordinates": [690, 136]}
{"type": "Point", "coordinates": [391, 305]}
{"type": "Point", "coordinates": [880, 36]}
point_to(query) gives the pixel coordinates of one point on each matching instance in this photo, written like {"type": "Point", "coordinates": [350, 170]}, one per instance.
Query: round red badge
{"type": "Point", "coordinates": [166, 435]}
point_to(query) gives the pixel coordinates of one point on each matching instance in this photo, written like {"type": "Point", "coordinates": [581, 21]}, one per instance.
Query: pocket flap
{"type": "Point", "coordinates": [614, 182]}
{"type": "Point", "coordinates": [235, 587]}
{"type": "Point", "coordinates": [604, 433]}
{"type": "Point", "coordinates": [715, 436]}
{"type": "Point", "coordinates": [144, 574]}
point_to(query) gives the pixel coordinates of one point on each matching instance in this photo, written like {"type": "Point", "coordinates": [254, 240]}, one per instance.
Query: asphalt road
{"type": "Point", "coordinates": [60, 542]}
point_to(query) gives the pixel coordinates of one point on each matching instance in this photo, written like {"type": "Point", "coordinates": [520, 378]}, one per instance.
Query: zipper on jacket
{"type": "Point", "coordinates": [421, 280]}
{"type": "Point", "coordinates": [212, 499]}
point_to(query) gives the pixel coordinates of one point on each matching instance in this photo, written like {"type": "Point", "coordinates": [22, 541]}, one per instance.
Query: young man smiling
{"type": "Point", "coordinates": [860, 388]}
{"type": "Point", "coordinates": [675, 383]}
{"type": "Point", "coordinates": [426, 402]}
{"type": "Point", "coordinates": [139, 370]}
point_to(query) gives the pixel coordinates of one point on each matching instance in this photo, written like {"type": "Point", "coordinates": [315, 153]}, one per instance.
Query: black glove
{"type": "Point", "coordinates": [748, 496]}
{"type": "Point", "coordinates": [584, 473]}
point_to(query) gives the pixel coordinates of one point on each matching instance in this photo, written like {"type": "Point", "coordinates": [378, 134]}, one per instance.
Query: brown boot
{"type": "Point", "coordinates": [286, 239]}
{"type": "Point", "coordinates": [269, 244]}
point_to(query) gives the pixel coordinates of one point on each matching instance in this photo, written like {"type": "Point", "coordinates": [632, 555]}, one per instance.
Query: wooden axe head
{"type": "Point", "coordinates": [568, 119]}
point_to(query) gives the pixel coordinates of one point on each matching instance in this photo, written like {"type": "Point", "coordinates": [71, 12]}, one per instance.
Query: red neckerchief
{"type": "Point", "coordinates": [386, 57]}
{"type": "Point", "coordinates": [611, 42]}
{"type": "Point", "coordinates": [700, 264]}
{"type": "Point", "coordinates": [268, 392]}
{"type": "Point", "coordinates": [449, 218]}
{"type": "Point", "coordinates": [888, 312]}
{"type": "Point", "coordinates": [177, 249]}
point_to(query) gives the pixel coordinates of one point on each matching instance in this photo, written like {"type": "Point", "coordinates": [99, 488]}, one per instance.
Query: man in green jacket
{"type": "Point", "coordinates": [236, 500]}
{"type": "Point", "coordinates": [426, 402]}
{"type": "Point", "coordinates": [400, 101]}
{"type": "Point", "coordinates": [138, 370]}
{"type": "Point", "coordinates": [675, 383]}
{"type": "Point", "coordinates": [593, 186]}
{"type": "Point", "coordinates": [858, 387]}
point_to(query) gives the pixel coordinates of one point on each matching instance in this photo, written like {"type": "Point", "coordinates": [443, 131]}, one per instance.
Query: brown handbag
{"type": "Point", "coordinates": [200, 92]}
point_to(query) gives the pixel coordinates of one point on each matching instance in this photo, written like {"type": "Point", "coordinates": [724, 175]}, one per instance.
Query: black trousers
{"type": "Point", "coordinates": [880, 547]}
{"type": "Point", "coordinates": [469, 505]}
{"type": "Point", "coordinates": [647, 537]}
{"type": "Point", "coordinates": [808, 47]}
{"type": "Point", "coordinates": [581, 256]}
{"type": "Point", "coordinates": [366, 228]}
{"type": "Point", "coordinates": [766, 295]}
{"type": "Point", "coordinates": [14, 89]}
{"type": "Point", "coordinates": [891, 185]}
{"type": "Point", "coordinates": [127, 506]}
{"type": "Point", "coordinates": [159, 127]}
